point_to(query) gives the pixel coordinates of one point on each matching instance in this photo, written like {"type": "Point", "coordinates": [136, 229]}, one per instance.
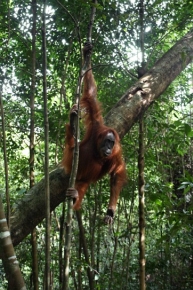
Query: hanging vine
{"type": "Point", "coordinates": [71, 191]}
{"type": "Point", "coordinates": [141, 181]}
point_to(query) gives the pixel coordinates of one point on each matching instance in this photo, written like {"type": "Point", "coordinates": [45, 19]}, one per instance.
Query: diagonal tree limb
{"type": "Point", "coordinates": [150, 86]}
{"type": "Point", "coordinates": [31, 209]}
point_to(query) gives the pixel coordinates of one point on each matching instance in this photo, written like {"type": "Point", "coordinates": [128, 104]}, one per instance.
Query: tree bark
{"type": "Point", "coordinates": [31, 208]}
{"type": "Point", "coordinates": [150, 86]}
{"type": "Point", "coordinates": [7, 254]}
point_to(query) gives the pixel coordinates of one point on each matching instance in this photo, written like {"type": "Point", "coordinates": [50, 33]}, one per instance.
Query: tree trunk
{"type": "Point", "coordinates": [32, 141]}
{"type": "Point", "coordinates": [141, 190]}
{"type": "Point", "coordinates": [7, 253]}
{"type": "Point", "coordinates": [31, 208]}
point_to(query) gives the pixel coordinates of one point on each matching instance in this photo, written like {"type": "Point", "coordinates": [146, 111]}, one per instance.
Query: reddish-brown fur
{"type": "Point", "coordinates": [92, 166]}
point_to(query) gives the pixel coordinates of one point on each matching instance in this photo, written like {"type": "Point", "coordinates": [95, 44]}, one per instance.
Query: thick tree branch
{"type": "Point", "coordinates": [149, 87]}
{"type": "Point", "coordinates": [31, 208]}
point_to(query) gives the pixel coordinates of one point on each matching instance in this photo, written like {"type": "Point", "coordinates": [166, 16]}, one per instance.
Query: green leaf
{"type": "Point", "coordinates": [187, 130]}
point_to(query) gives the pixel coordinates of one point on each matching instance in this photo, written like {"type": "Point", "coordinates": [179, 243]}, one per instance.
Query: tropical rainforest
{"type": "Point", "coordinates": [142, 63]}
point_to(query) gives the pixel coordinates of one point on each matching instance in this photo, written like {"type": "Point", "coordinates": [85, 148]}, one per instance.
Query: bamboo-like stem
{"type": "Point", "coordinates": [72, 180]}
{"type": "Point", "coordinates": [5, 158]}
{"type": "Point", "coordinates": [141, 165]}
{"type": "Point", "coordinates": [46, 132]}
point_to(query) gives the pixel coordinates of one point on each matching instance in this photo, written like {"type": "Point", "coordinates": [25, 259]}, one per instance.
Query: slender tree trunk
{"type": "Point", "coordinates": [67, 248]}
{"type": "Point", "coordinates": [10, 263]}
{"type": "Point", "coordinates": [98, 242]}
{"type": "Point", "coordinates": [5, 158]}
{"type": "Point", "coordinates": [32, 138]}
{"type": "Point", "coordinates": [69, 219]}
{"type": "Point", "coordinates": [34, 260]}
{"type": "Point", "coordinates": [80, 259]}
{"type": "Point", "coordinates": [111, 280]}
{"type": "Point", "coordinates": [92, 227]}
{"type": "Point", "coordinates": [85, 251]}
{"type": "Point", "coordinates": [63, 99]}
{"type": "Point", "coordinates": [75, 165]}
{"type": "Point", "coordinates": [46, 132]}
{"type": "Point", "coordinates": [141, 72]}
{"type": "Point", "coordinates": [141, 208]}
{"type": "Point", "coordinates": [61, 243]}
